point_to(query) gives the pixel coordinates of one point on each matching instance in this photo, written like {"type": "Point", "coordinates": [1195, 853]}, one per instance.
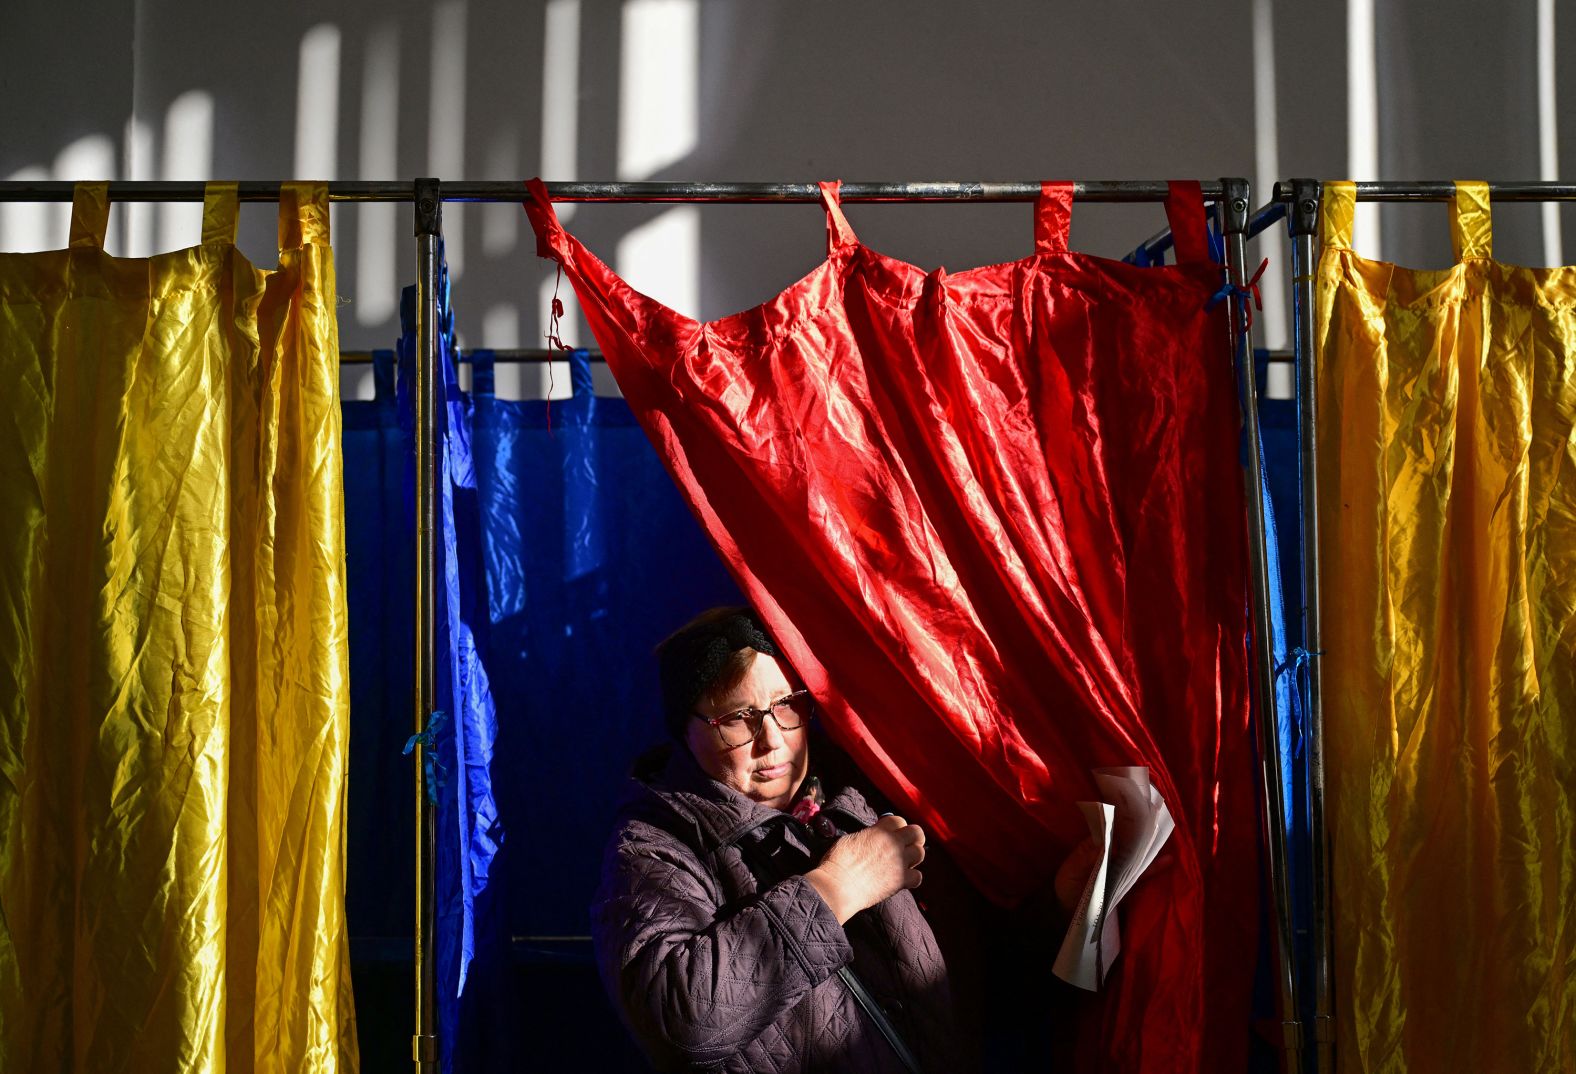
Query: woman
{"type": "Point", "coordinates": [753, 916]}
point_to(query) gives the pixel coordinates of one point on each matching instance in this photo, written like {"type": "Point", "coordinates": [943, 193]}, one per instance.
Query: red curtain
{"type": "Point", "coordinates": [995, 519]}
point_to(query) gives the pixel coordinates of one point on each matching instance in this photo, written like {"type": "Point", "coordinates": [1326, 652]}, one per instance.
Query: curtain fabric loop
{"type": "Point", "coordinates": [220, 209]}
{"type": "Point", "coordinates": [838, 232]}
{"type": "Point", "coordinates": [1189, 223]}
{"type": "Point", "coordinates": [483, 366]}
{"type": "Point", "coordinates": [1337, 211]}
{"type": "Point", "coordinates": [1053, 212]}
{"type": "Point", "coordinates": [1471, 221]}
{"type": "Point", "coordinates": [383, 376]}
{"type": "Point", "coordinates": [580, 380]}
{"type": "Point", "coordinates": [89, 215]}
{"type": "Point", "coordinates": [303, 215]}
{"type": "Point", "coordinates": [539, 209]}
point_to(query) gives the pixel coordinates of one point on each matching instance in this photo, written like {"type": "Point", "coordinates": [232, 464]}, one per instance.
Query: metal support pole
{"type": "Point", "coordinates": [429, 228]}
{"type": "Point", "coordinates": [1235, 226]}
{"type": "Point", "coordinates": [1302, 221]}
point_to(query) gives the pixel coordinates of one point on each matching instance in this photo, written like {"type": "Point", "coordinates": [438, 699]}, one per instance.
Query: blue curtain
{"type": "Point", "coordinates": [565, 555]}
{"type": "Point", "coordinates": [380, 567]}
{"type": "Point", "coordinates": [591, 559]}
{"type": "Point", "coordinates": [380, 564]}
{"type": "Point", "coordinates": [462, 731]}
{"type": "Point", "coordinates": [1280, 455]}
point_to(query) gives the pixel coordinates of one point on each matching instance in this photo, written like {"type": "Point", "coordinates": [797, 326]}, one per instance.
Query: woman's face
{"type": "Point", "coordinates": [769, 769]}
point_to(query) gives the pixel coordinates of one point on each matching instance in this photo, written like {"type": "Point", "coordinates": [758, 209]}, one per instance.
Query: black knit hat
{"type": "Point", "coordinates": [690, 660]}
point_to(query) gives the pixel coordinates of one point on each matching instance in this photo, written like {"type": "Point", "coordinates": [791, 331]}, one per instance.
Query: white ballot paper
{"type": "Point", "coordinates": [1129, 826]}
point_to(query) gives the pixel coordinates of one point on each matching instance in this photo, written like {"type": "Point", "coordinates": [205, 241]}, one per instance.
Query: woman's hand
{"type": "Point", "coordinates": [868, 866]}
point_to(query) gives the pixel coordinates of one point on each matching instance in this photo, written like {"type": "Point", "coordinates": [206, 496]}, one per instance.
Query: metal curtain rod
{"type": "Point", "coordinates": [1143, 190]}
{"type": "Point", "coordinates": [502, 356]}
{"type": "Point", "coordinates": [147, 190]}
{"type": "Point", "coordinates": [511, 355]}
{"type": "Point", "coordinates": [1444, 190]}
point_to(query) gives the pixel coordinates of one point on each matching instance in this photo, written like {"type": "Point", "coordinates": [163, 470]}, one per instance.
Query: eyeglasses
{"type": "Point", "coordinates": [740, 727]}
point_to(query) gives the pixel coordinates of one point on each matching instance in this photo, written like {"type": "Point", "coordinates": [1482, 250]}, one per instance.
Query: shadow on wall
{"type": "Point", "coordinates": [635, 90]}
{"type": "Point", "coordinates": [655, 89]}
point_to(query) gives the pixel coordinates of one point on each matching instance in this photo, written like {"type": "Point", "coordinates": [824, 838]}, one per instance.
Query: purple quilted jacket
{"type": "Point", "coordinates": [720, 956]}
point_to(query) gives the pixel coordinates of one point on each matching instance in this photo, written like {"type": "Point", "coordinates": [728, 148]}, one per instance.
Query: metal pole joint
{"type": "Point", "coordinates": [1234, 206]}
{"type": "Point", "coordinates": [429, 207]}
{"type": "Point", "coordinates": [1303, 218]}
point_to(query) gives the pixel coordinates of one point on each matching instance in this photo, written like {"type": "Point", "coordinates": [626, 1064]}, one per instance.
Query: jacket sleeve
{"type": "Point", "coordinates": [696, 981]}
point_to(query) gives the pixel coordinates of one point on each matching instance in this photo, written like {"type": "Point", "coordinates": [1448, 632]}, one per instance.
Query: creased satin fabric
{"type": "Point", "coordinates": [995, 518]}
{"type": "Point", "coordinates": [1448, 535]}
{"type": "Point", "coordinates": [465, 813]}
{"type": "Point", "coordinates": [173, 693]}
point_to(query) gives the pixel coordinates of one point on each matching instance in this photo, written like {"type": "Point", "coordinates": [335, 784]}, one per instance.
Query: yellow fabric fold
{"type": "Point", "coordinates": [1447, 487]}
{"type": "Point", "coordinates": [173, 658]}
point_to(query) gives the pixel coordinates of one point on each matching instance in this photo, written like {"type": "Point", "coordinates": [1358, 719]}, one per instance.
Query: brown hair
{"type": "Point", "coordinates": [709, 654]}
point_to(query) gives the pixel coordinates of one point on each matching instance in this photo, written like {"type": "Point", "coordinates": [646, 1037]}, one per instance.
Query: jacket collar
{"type": "Point", "coordinates": [721, 815]}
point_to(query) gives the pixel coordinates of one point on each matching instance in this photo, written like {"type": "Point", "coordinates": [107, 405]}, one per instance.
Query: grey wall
{"type": "Point", "coordinates": [1015, 89]}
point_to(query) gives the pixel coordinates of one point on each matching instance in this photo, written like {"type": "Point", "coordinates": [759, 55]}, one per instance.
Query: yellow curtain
{"type": "Point", "coordinates": [1448, 540]}
{"type": "Point", "coordinates": [173, 697]}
